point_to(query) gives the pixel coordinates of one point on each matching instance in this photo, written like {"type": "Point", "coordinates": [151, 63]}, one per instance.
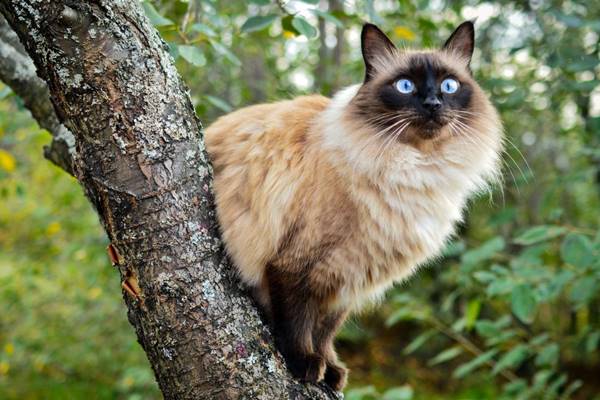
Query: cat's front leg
{"type": "Point", "coordinates": [294, 311]}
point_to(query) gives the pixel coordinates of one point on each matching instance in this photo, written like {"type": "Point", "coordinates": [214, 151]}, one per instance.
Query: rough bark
{"type": "Point", "coordinates": [142, 163]}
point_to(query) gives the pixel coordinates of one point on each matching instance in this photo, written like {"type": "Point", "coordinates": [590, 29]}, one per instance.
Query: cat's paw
{"type": "Point", "coordinates": [308, 368]}
{"type": "Point", "coordinates": [336, 376]}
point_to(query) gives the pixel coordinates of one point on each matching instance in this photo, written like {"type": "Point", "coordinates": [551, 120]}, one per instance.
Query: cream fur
{"type": "Point", "coordinates": [311, 167]}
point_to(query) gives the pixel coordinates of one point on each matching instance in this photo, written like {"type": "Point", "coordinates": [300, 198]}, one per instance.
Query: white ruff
{"type": "Point", "coordinates": [426, 192]}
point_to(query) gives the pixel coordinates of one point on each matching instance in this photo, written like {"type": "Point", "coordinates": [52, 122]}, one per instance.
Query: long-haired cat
{"type": "Point", "coordinates": [324, 204]}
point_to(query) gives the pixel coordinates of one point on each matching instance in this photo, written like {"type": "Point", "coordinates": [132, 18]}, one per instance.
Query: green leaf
{"type": "Point", "coordinates": [219, 103]}
{"type": "Point", "coordinates": [500, 286]}
{"type": "Point", "coordinates": [310, 1]}
{"type": "Point", "coordinates": [583, 63]}
{"type": "Point", "coordinates": [548, 356]}
{"type": "Point", "coordinates": [454, 248]}
{"type": "Point", "coordinates": [591, 342]}
{"type": "Point", "coordinates": [539, 234]}
{"type": "Point", "coordinates": [192, 54]}
{"type": "Point", "coordinates": [583, 290]}
{"type": "Point", "coordinates": [577, 250]}
{"type": "Point", "coordinates": [484, 276]}
{"type": "Point", "coordinates": [366, 392]}
{"type": "Point", "coordinates": [499, 269]}
{"type": "Point", "coordinates": [569, 20]}
{"type": "Point", "coordinates": [539, 339]}
{"type": "Point", "coordinates": [513, 388]}
{"type": "Point", "coordinates": [328, 17]}
{"type": "Point", "coordinates": [224, 51]}
{"type": "Point", "coordinates": [418, 341]}
{"type": "Point", "coordinates": [486, 328]}
{"type": "Point", "coordinates": [503, 337]}
{"type": "Point", "coordinates": [286, 24]}
{"type": "Point", "coordinates": [304, 27]}
{"type": "Point", "coordinates": [472, 365]}
{"type": "Point", "coordinates": [511, 359]}
{"type": "Point", "coordinates": [523, 302]}
{"type": "Point", "coordinates": [204, 29]}
{"type": "Point", "coordinates": [173, 49]}
{"type": "Point", "coordinates": [572, 388]}
{"type": "Point", "coordinates": [405, 314]}
{"type": "Point", "coordinates": [458, 325]}
{"type": "Point", "coordinates": [472, 312]}
{"type": "Point", "coordinates": [449, 301]}
{"type": "Point", "coordinates": [260, 2]}
{"type": "Point", "coordinates": [559, 281]}
{"type": "Point", "coordinates": [258, 22]}
{"type": "Point", "coordinates": [399, 393]}
{"type": "Point", "coordinates": [484, 252]}
{"type": "Point", "coordinates": [5, 92]}
{"type": "Point", "coordinates": [557, 383]}
{"type": "Point", "coordinates": [540, 379]}
{"type": "Point", "coordinates": [445, 355]}
{"type": "Point", "coordinates": [155, 18]}
{"type": "Point", "coordinates": [594, 25]}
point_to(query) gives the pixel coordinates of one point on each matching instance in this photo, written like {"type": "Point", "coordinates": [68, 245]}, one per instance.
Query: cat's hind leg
{"type": "Point", "coordinates": [323, 336]}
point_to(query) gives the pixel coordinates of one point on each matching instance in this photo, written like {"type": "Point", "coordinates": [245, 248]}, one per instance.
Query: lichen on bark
{"type": "Point", "coordinates": [142, 163]}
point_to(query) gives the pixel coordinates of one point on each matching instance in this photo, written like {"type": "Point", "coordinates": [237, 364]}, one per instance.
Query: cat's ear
{"type": "Point", "coordinates": [375, 45]}
{"type": "Point", "coordinates": [462, 41]}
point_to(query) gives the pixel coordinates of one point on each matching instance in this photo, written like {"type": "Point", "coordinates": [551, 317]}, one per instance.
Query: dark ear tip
{"type": "Point", "coordinates": [468, 24]}
{"type": "Point", "coordinates": [368, 27]}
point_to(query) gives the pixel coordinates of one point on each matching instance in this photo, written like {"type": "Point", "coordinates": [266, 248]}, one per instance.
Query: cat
{"type": "Point", "coordinates": [325, 203]}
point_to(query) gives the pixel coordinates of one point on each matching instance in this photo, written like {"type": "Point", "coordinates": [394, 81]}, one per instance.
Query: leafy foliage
{"type": "Point", "coordinates": [511, 309]}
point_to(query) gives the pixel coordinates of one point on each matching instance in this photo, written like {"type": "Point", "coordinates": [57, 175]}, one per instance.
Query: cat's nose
{"type": "Point", "coordinates": [432, 103]}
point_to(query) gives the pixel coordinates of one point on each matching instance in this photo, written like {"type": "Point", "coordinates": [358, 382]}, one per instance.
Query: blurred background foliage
{"type": "Point", "coordinates": [509, 312]}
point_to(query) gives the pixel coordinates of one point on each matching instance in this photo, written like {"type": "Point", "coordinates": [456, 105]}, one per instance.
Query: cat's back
{"type": "Point", "coordinates": [262, 127]}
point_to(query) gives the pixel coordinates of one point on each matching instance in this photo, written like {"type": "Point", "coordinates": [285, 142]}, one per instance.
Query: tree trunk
{"type": "Point", "coordinates": [140, 158]}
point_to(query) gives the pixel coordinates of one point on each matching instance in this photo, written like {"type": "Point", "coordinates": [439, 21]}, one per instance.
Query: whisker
{"type": "Point", "coordinates": [474, 135]}
{"type": "Point", "coordinates": [473, 139]}
{"type": "Point", "coordinates": [507, 139]}
{"type": "Point", "coordinates": [388, 114]}
{"type": "Point", "coordinates": [374, 138]}
{"type": "Point", "coordinates": [509, 156]}
{"type": "Point", "coordinates": [384, 122]}
{"type": "Point", "coordinates": [382, 148]}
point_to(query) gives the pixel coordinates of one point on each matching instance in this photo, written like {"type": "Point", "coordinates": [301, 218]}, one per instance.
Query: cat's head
{"type": "Point", "coordinates": [419, 95]}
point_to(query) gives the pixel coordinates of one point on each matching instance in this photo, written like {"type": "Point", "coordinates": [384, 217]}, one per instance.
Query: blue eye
{"type": "Point", "coordinates": [405, 86]}
{"type": "Point", "coordinates": [450, 86]}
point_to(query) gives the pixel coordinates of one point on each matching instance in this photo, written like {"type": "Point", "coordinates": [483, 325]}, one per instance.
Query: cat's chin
{"type": "Point", "coordinates": [430, 129]}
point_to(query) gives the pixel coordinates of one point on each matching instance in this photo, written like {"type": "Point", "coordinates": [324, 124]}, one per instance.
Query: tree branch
{"type": "Point", "coordinates": [142, 163]}
{"type": "Point", "coordinates": [18, 72]}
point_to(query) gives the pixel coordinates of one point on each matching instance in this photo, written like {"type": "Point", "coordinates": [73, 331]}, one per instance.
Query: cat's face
{"type": "Point", "coordinates": [417, 96]}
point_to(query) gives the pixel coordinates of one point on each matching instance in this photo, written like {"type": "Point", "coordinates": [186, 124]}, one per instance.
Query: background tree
{"type": "Point", "coordinates": [509, 312]}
